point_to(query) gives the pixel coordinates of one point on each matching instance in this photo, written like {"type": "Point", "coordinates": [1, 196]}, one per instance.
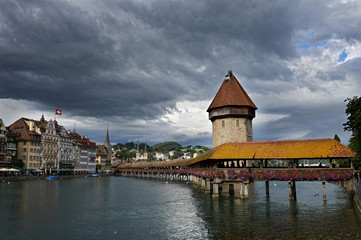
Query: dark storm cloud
{"type": "Point", "coordinates": [137, 59]}
{"type": "Point", "coordinates": [135, 62]}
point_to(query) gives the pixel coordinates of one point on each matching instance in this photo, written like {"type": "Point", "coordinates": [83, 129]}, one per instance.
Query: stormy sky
{"type": "Point", "coordinates": [149, 69]}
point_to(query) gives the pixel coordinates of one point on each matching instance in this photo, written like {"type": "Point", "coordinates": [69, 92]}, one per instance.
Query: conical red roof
{"type": "Point", "coordinates": [231, 93]}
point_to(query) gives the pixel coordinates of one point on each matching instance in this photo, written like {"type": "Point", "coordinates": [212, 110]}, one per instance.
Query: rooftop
{"type": "Point", "coordinates": [231, 94]}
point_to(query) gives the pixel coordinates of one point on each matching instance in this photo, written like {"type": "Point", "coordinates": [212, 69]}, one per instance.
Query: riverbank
{"type": "Point", "coordinates": [42, 177]}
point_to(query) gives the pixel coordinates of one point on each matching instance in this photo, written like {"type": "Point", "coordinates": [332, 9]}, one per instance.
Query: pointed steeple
{"type": "Point", "coordinates": [231, 94]}
{"type": "Point", "coordinates": [145, 155]}
{"type": "Point", "coordinates": [138, 146]}
{"type": "Point", "coordinates": [145, 148]}
{"type": "Point", "coordinates": [107, 143]}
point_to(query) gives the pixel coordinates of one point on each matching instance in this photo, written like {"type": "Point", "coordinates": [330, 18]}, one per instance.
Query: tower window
{"type": "Point", "coordinates": [222, 123]}
{"type": "Point", "coordinates": [237, 123]}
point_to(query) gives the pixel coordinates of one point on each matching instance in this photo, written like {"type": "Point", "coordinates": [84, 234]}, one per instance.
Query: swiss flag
{"type": "Point", "coordinates": [57, 111]}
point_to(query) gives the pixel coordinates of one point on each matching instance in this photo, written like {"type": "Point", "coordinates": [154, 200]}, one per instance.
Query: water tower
{"type": "Point", "coordinates": [231, 113]}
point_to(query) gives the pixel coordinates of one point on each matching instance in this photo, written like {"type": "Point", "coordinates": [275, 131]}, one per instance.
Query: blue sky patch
{"type": "Point", "coordinates": [342, 56]}
{"type": "Point", "coordinates": [321, 43]}
{"type": "Point", "coordinates": [303, 46]}
{"type": "Point", "coordinates": [306, 45]}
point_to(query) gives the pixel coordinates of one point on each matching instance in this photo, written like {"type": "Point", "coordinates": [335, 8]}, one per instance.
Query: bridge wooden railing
{"type": "Point", "coordinates": [300, 174]}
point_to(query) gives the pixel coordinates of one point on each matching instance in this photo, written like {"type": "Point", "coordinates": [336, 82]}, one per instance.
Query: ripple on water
{"type": "Point", "coordinates": [128, 208]}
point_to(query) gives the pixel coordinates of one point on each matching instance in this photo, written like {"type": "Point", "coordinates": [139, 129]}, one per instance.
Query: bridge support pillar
{"type": "Point", "coordinates": [292, 190]}
{"type": "Point", "coordinates": [324, 190]}
{"type": "Point", "coordinates": [203, 183]}
{"type": "Point", "coordinates": [237, 189]}
{"type": "Point", "coordinates": [244, 190]}
{"type": "Point", "coordinates": [215, 190]}
{"type": "Point", "coordinates": [225, 189]}
{"type": "Point", "coordinates": [267, 188]}
{"type": "Point", "coordinates": [208, 185]}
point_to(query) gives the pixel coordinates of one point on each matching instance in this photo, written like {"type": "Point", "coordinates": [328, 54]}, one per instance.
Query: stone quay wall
{"type": "Point", "coordinates": [357, 190]}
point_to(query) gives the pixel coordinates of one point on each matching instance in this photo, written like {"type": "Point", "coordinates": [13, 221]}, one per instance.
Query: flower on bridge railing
{"type": "Point", "coordinates": [245, 175]}
{"type": "Point", "coordinates": [261, 174]}
{"type": "Point", "coordinates": [231, 174]}
{"type": "Point", "coordinates": [220, 174]}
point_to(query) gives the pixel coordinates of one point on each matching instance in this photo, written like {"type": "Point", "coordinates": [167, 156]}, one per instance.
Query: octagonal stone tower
{"type": "Point", "coordinates": [231, 113]}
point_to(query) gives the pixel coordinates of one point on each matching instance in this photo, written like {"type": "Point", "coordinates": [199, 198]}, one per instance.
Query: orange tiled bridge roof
{"type": "Point", "coordinates": [288, 149]}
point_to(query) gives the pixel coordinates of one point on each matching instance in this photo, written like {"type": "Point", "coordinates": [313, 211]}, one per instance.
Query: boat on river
{"type": "Point", "coordinates": [52, 177]}
{"type": "Point", "coordinates": [95, 175]}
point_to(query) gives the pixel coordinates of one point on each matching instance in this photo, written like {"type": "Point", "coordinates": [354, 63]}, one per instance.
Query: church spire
{"type": "Point", "coordinates": [145, 148]}
{"type": "Point", "coordinates": [107, 143]}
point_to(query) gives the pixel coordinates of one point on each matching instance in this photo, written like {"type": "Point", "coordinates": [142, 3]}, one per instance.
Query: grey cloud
{"type": "Point", "coordinates": [135, 60]}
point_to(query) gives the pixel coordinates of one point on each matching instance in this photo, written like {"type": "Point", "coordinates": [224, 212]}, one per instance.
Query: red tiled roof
{"type": "Point", "coordinates": [82, 139]}
{"type": "Point", "coordinates": [231, 93]}
{"type": "Point", "coordinates": [21, 129]}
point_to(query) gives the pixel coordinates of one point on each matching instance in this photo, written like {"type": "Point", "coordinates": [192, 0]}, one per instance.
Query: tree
{"type": "Point", "coordinates": [353, 124]}
{"type": "Point", "coordinates": [337, 138]}
{"type": "Point", "coordinates": [16, 163]}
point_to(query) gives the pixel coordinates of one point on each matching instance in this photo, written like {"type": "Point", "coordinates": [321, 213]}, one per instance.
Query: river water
{"type": "Point", "coordinates": [132, 208]}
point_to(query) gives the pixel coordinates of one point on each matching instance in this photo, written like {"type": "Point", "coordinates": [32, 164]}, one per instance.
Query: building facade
{"type": "Point", "coordinates": [3, 145]}
{"type": "Point", "coordinates": [28, 134]}
{"type": "Point", "coordinates": [49, 153]}
{"type": "Point", "coordinates": [87, 153]}
{"type": "Point", "coordinates": [11, 149]}
{"type": "Point", "coordinates": [65, 149]}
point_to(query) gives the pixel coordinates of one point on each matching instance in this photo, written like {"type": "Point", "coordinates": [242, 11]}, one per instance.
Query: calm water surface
{"type": "Point", "coordinates": [130, 208]}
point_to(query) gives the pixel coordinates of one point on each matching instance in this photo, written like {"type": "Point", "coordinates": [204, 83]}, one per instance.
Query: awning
{"type": "Point", "coordinates": [9, 170]}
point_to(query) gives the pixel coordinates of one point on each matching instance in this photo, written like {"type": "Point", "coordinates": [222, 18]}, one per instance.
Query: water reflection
{"type": "Point", "coordinates": [279, 218]}
{"type": "Point", "coordinates": [129, 208]}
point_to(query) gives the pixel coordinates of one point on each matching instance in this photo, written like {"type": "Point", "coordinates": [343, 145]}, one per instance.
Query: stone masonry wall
{"type": "Point", "coordinates": [357, 191]}
{"type": "Point", "coordinates": [231, 130]}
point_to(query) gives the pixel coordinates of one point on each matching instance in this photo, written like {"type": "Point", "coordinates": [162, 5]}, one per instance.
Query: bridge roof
{"type": "Point", "coordinates": [288, 149]}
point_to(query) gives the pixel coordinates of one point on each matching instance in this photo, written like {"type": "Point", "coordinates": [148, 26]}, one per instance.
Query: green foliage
{"type": "Point", "coordinates": [177, 155]}
{"type": "Point", "coordinates": [17, 163]}
{"type": "Point", "coordinates": [166, 147]}
{"type": "Point", "coordinates": [353, 124]}
{"type": "Point", "coordinates": [337, 138]}
{"type": "Point", "coordinates": [125, 154]}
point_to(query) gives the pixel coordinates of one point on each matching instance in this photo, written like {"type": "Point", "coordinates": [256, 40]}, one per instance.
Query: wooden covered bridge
{"type": "Point", "coordinates": [230, 167]}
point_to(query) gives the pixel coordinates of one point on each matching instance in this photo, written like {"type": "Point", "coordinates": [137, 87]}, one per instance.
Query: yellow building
{"type": "Point", "coordinates": [28, 133]}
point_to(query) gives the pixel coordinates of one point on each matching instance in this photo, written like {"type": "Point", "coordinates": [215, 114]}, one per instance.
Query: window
{"type": "Point", "coordinates": [24, 149]}
{"type": "Point", "coordinates": [237, 122]}
{"type": "Point", "coordinates": [222, 123]}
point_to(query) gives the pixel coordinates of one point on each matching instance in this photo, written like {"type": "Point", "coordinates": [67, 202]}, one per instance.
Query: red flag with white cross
{"type": "Point", "coordinates": [57, 112]}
